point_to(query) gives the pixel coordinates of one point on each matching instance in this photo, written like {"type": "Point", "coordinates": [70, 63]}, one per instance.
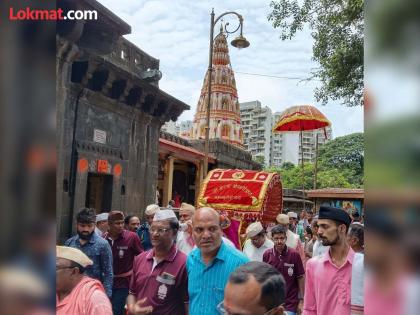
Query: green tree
{"type": "Point", "coordinates": [291, 177]}
{"type": "Point", "coordinates": [287, 165]}
{"type": "Point", "coordinates": [338, 31]}
{"type": "Point", "coordinates": [259, 159]}
{"type": "Point", "coordinates": [345, 154]}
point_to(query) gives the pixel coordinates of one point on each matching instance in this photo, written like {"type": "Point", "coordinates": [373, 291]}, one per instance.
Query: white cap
{"type": "Point", "coordinates": [152, 209]}
{"type": "Point", "coordinates": [253, 229]}
{"type": "Point", "coordinates": [164, 215]}
{"type": "Point", "coordinates": [282, 218]}
{"type": "Point", "coordinates": [73, 254]}
{"type": "Point", "coordinates": [102, 217]}
{"type": "Point", "coordinates": [292, 214]}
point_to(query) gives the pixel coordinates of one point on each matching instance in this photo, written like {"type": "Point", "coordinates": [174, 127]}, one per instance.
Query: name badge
{"type": "Point", "coordinates": [166, 278]}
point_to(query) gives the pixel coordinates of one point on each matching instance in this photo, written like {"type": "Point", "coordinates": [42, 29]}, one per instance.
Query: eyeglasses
{"type": "Point", "coordinates": [159, 231]}
{"type": "Point", "coordinates": [222, 311]}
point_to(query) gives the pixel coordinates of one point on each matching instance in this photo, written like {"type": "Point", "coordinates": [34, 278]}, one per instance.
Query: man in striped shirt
{"type": "Point", "coordinates": [210, 264]}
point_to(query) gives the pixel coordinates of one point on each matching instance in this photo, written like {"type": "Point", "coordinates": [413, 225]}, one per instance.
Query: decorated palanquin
{"type": "Point", "coordinates": [242, 197]}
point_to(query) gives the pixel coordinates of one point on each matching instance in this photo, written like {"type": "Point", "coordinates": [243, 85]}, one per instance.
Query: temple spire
{"type": "Point", "coordinates": [225, 119]}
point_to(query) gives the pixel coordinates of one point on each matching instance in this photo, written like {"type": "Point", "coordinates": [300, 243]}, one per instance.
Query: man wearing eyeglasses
{"type": "Point", "coordinates": [255, 288]}
{"type": "Point", "coordinates": [159, 281]}
{"type": "Point", "coordinates": [210, 264]}
{"type": "Point", "coordinates": [257, 243]}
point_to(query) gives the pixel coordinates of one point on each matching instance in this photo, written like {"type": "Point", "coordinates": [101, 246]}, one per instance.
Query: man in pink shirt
{"type": "Point", "coordinates": [77, 293]}
{"type": "Point", "coordinates": [328, 277]}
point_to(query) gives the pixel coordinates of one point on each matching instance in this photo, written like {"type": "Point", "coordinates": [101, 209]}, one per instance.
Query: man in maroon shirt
{"type": "Point", "coordinates": [288, 262]}
{"type": "Point", "coordinates": [159, 284]}
{"type": "Point", "coordinates": [125, 246]}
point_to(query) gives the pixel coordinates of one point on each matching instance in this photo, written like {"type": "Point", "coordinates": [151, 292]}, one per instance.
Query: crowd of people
{"type": "Point", "coordinates": [169, 265]}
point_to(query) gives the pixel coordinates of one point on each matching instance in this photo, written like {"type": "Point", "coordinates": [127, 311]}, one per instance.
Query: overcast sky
{"type": "Point", "coordinates": [177, 33]}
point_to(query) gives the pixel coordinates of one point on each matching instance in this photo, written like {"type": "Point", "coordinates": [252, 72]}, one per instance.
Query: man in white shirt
{"type": "Point", "coordinates": [257, 242]}
{"type": "Point", "coordinates": [101, 223]}
{"type": "Point", "coordinates": [318, 248]}
{"type": "Point", "coordinates": [184, 241]}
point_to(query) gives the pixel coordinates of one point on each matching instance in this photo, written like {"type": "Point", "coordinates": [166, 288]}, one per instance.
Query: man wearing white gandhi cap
{"type": "Point", "coordinates": [101, 223]}
{"type": "Point", "coordinates": [165, 214]}
{"type": "Point", "coordinates": [257, 242]}
{"type": "Point", "coordinates": [163, 270]}
{"type": "Point", "coordinates": [77, 293]}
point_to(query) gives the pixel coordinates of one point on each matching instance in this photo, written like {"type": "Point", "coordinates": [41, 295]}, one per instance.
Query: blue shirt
{"type": "Point", "coordinates": [99, 251]}
{"type": "Point", "coordinates": [143, 233]}
{"type": "Point", "coordinates": [206, 283]}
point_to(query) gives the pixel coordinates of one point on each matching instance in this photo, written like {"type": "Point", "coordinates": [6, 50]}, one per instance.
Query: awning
{"type": "Point", "coordinates": [183, 151]}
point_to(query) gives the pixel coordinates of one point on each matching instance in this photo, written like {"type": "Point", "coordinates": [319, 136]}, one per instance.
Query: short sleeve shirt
{"type": "Point", "coordinates": [328, 287]}
{"type": "Point", "coordinates": [124, 249]}
{"type": "Point", "coordinates": [165, 286]}
{"type": "Point", "coordinates": [206, 283]}
{"type": "Point", "coordinates": [290, 265]}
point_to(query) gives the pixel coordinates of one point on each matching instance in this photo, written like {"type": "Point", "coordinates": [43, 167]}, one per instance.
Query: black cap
{"type": "Point", "coordinates": [336, 214]}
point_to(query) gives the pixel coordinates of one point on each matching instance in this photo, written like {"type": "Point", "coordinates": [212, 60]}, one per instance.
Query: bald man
{"type": "Point", "coordinates": [210, 264]}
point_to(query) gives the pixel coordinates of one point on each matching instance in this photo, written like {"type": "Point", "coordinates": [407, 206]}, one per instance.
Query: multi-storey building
{"type": "Point", "coordinates": [309, 139]}
{"type": "Point", "coordinates": [276, 148]}
{"type": "Point", "coordinates": [256, 125]}
{"type": "Point", "coordinates": [291, 147]}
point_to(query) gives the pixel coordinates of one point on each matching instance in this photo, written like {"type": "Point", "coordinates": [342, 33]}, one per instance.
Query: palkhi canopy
{"type": "Point", "coordinates": [300, 118]}
{"type": "Point", "coordinates": [252, 195]}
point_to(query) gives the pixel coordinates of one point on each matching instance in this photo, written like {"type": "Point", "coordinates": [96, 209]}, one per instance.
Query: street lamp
{"type": "Point", "coordinates": [238, 42]}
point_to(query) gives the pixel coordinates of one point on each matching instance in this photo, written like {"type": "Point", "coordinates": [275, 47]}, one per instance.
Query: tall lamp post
{"type": "Point", "coordinates": [238, 42]}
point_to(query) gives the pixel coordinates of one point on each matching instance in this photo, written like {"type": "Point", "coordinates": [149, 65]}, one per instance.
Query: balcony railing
{"type": "Point", "coordinates": [131, 58]}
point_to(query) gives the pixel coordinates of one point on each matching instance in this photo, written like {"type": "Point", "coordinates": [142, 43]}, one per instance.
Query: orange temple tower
{"type": "Point", "coordinates": [225, 118]}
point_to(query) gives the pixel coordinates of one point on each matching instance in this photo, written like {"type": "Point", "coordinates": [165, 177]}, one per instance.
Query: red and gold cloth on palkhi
{"type": "Point", "coordinates": [253, 195]}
